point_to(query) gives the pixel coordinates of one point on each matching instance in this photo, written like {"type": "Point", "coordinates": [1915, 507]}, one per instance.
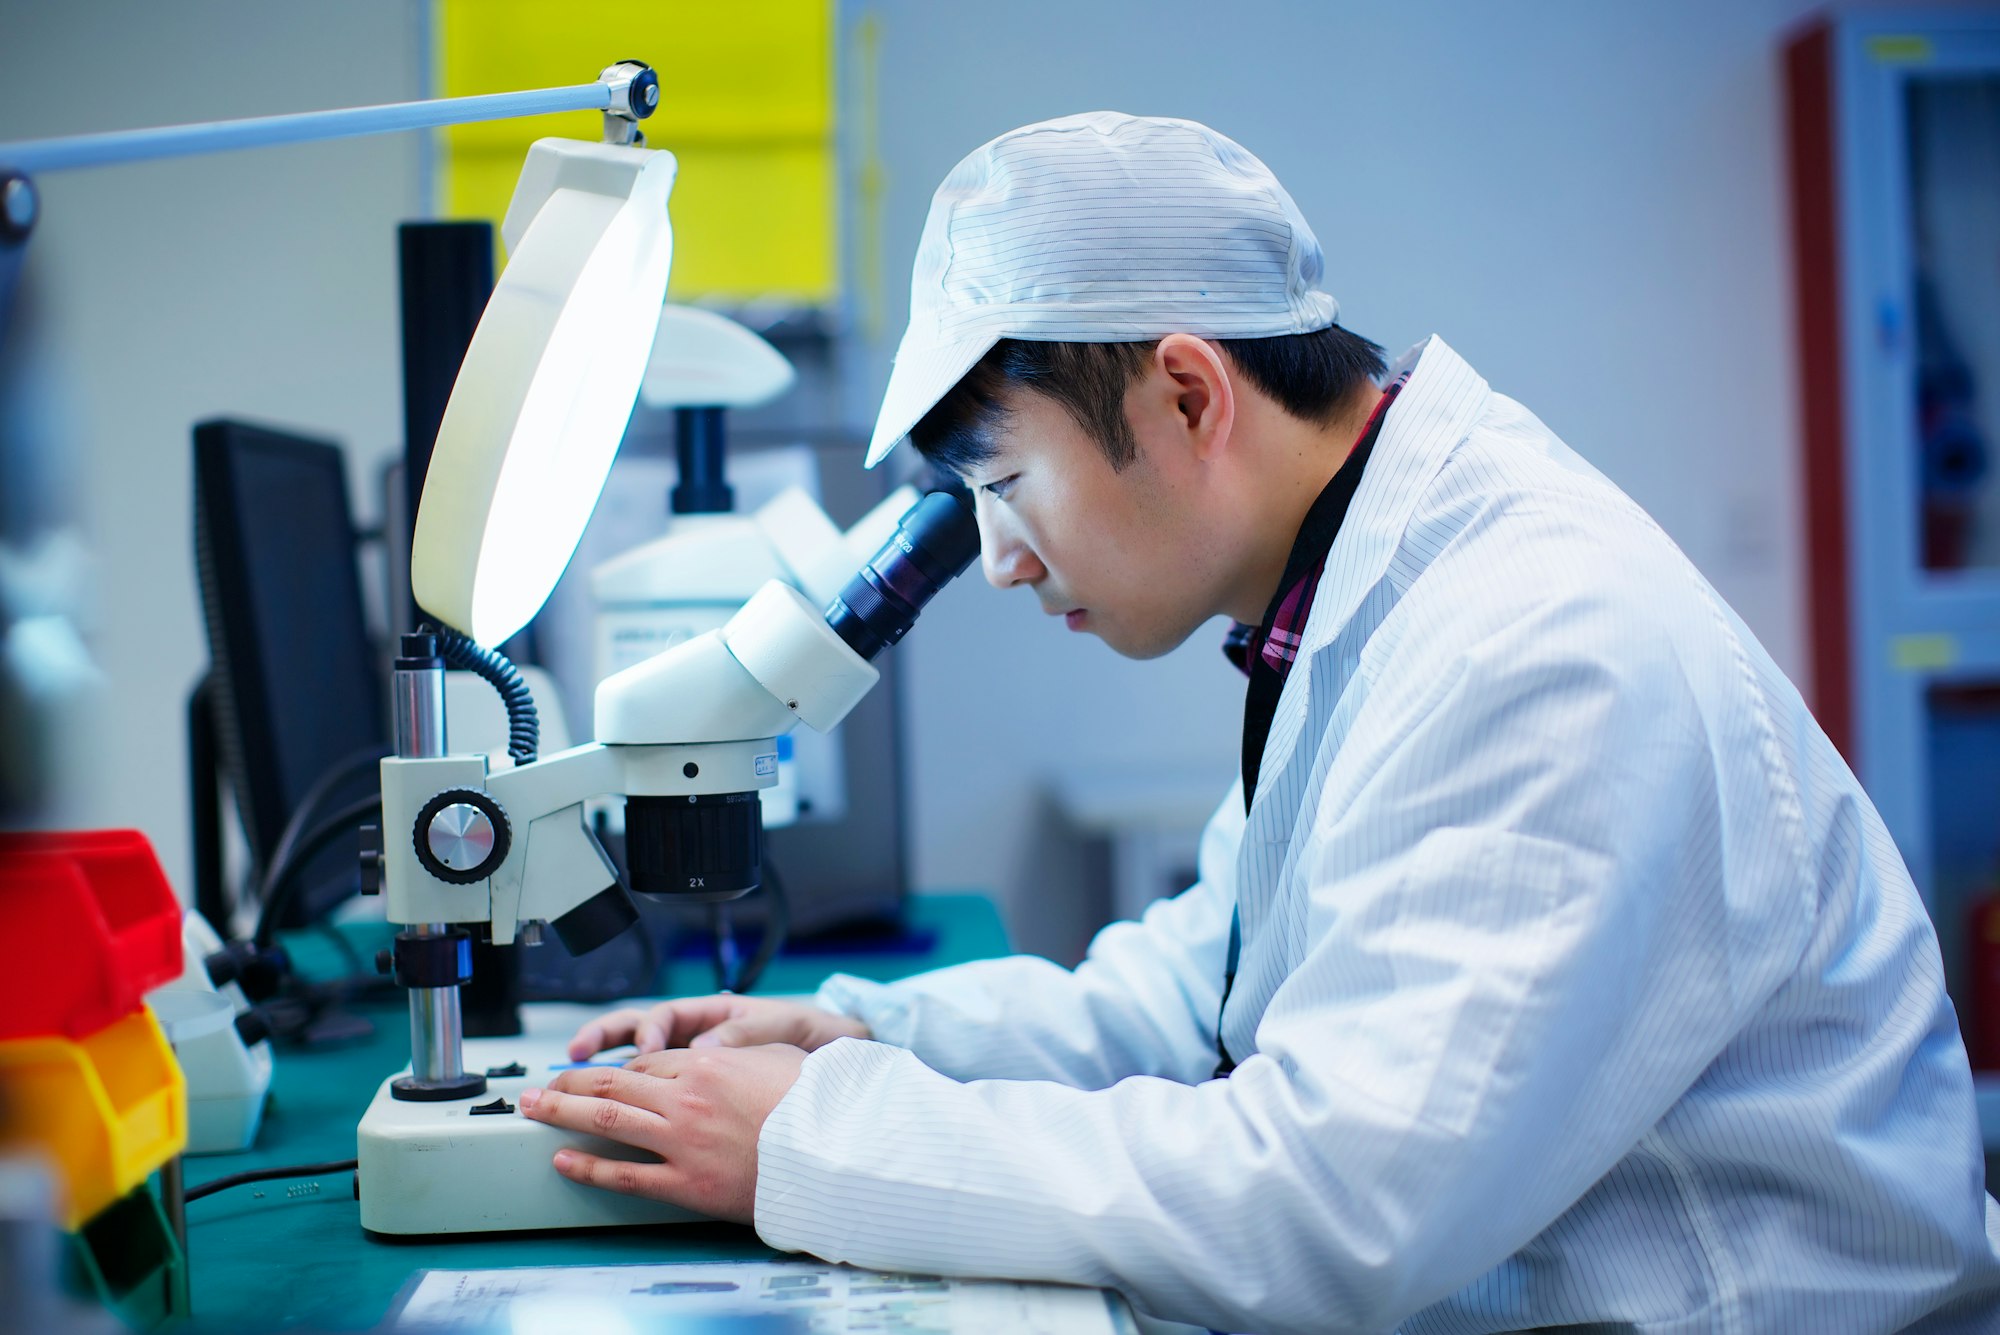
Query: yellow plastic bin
{"type": "Point", "coordinates": [106, 1111]}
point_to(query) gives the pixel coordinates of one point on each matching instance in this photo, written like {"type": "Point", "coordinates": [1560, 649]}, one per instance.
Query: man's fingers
{"type": "Point", "coordinates": [612, 1082]}
{"type": "Point", "coordinates": [655, 1181]}
{"type": "Point", "coordinates": [607, 1117]}
{"type": "Point", "coordinates": [728, 1034]}
{"type": "Point", "coordinates": [606, 1031]}
{"type": "Point", "coordinates": [715, 1021]}
{"type": "Point", "coordinates": [691, 1016]}
{"type": "Point", "coordinates": [588, 1042]}
{"type": "Point", "coordinates": [659, 1065]}
{"type": "Point", "coordinates": [651, 1035]}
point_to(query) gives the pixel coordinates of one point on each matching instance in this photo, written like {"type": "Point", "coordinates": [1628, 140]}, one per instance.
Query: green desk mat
{"type": "Point", "coordinates": [273, 1255]}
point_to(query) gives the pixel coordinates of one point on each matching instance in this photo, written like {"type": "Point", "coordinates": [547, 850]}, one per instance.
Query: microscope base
{"type": "Point", "coordinates": [440, 1168]}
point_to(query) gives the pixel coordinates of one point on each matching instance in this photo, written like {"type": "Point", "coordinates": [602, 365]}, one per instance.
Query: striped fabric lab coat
{"type": "Point", "coordinates": [1581, 981]}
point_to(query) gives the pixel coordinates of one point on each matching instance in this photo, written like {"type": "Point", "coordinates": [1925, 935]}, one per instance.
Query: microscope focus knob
{"type": "Point", "coordinates": [462, 836]}
{"type": "Point", "coordinates": [371, 859]}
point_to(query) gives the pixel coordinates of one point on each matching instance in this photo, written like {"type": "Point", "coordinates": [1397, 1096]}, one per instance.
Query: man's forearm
{"type": "Point", "coordinates": [1143, 1003]}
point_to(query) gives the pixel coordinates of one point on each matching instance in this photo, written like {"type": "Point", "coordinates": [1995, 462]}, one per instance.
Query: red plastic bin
{"type": "Point", "coordinates": [95, 924]}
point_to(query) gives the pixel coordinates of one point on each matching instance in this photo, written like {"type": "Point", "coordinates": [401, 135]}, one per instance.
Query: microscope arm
{"type": "Point", "coordinates": [699, 719]}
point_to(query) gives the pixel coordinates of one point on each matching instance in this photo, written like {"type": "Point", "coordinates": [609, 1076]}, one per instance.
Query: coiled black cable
{"type": "Point", "coordinates": [524, 725]}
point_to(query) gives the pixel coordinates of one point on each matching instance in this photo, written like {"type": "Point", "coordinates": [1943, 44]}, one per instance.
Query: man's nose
{"type": "Point", "coordinates": [1006, 559]}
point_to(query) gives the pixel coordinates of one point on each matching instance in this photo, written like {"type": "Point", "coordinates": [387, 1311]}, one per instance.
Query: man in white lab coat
{"type": "Point", "coordinates": [1547, 966]}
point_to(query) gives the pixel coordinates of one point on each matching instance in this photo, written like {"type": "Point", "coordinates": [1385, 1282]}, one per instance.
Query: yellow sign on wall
{"type": "Point", "coordinates": [746, 105]}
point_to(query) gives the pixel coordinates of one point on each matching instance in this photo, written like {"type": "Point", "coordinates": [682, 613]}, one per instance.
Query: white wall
{"type": "Point", "coordinates": [259, 284]}
{"type": "Point", "coordinates": [1587, 200]}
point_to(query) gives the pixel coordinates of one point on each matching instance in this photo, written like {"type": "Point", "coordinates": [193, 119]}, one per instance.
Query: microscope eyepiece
{"type": "Point", "coordinates": [932, 546]}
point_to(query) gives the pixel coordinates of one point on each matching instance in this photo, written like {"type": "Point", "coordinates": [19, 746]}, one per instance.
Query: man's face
{"type": "Point", "coordinates": [1123, 554]}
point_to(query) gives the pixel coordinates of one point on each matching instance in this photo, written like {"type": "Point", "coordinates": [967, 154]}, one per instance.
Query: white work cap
{"type": "Point", "coordinates": [1100, 228]}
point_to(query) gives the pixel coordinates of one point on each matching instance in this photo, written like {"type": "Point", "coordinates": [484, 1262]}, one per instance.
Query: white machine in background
{"type": "Point", "coordinates": [712, 558]}
{"type": "Point", "coordinates": [219, 1043]}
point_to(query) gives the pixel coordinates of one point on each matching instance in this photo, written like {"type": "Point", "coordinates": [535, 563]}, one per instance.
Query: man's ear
{"type": "Point", "coordinates": [1195, 379]}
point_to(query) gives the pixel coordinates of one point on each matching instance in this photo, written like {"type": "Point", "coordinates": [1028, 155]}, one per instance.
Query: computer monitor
{"type": "Point", "coordinates": [295, 689]}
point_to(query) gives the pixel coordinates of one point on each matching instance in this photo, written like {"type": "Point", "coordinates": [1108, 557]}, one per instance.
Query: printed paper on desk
{"type": "Point", "coordinates": [750, 1296]}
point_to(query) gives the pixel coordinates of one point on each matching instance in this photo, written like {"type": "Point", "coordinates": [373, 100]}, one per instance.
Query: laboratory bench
{"type": "Point", "coordinates": [292, 1253]}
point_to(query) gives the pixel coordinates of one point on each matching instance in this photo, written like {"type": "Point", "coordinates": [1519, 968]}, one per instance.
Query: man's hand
{"type": "Point", "coordinates": [701, 1112]}
{"type": "Point", "coordinates": [720, 1021]}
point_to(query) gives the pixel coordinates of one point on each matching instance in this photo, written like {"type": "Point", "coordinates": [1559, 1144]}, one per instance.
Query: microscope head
{"type": "Point", "coordinates": [777, 662]}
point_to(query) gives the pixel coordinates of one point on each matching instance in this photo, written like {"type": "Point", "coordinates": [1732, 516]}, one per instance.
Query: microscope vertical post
{"type": "Point", "coordinates": [437, 1027]}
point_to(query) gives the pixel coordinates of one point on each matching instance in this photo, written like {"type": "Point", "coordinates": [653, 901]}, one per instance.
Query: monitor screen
{"type": "Point", "coordinates": [297, 689]}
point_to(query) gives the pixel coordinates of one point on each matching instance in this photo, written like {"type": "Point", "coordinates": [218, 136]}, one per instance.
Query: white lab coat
{"type": "Point", "coordinates": [1580, 982]}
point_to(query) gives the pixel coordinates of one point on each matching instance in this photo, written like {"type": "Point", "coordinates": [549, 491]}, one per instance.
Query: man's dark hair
{"type": "Point", "coordinates": [1309, 375]}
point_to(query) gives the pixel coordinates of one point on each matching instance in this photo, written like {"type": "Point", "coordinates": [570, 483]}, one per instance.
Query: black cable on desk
{"type": "Point", "coordinates": [271, 1174]}
{"type": "Point", "coordinates": [281, 880]}
{"type": "Point", "coordinates": [733, 974]}
{"type": "Point", "coordinates": [300, 823]}
{"type": "Point", "coordinates": [777, 925]}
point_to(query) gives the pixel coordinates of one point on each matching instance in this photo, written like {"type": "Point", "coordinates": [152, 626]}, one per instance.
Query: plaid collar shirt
{"type": "Point", "coordinates": [1265, 653]}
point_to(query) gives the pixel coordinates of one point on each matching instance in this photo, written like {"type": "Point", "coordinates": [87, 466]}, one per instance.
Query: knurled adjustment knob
{"type": "Point", "coordinates": [462, 836]}
{"type": "Point", "coordinates": [371, 859]}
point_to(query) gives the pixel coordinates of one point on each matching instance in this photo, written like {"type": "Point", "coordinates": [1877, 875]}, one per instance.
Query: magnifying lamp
{"type": "Point", "coordinates": [547, 385]}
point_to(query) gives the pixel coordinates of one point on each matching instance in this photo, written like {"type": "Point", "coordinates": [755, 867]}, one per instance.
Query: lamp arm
{"type": "Point", "coordinates": [628, 91]}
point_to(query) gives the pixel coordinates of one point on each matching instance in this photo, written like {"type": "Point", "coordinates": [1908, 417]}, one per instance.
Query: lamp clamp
{"type": "Point", "coordinates": [19, 207]}
{"type": "Point", "coordinates": [635, 95]}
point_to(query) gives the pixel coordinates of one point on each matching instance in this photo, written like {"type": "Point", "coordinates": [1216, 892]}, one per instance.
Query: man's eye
{"type": "Point", "coordinates": [998, 490]}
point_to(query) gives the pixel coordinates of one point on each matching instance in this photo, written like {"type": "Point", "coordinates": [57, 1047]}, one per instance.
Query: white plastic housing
{"type": "Point", "coordinates": [807, 544]}
{"type": "Point", "coordinates": [410, 893]}
{"type": "Point", "coordinates": [694, 692]}
{"type": "Point", "coordinates": [547, 385]}
{"type": "Point", "coordinates": [784, 642]}
{"type": "Point", "coordinates": [227, 1080]}
{"type": "Point", "coordinates": [819, 557]}
{"type": "Point", "coordinates": [719, 559]}
{"type": "Point", "coordinates": [705, 360]}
